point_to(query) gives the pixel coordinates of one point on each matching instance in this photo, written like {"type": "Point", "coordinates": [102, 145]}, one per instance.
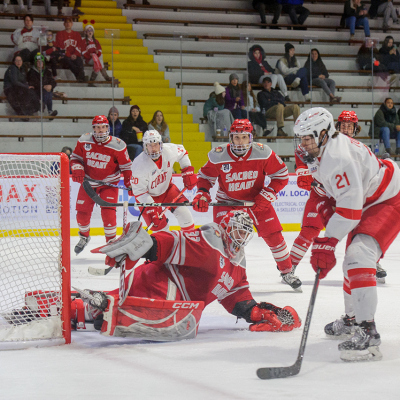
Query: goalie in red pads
{"type": "Point", "coordinates": [177, 276]}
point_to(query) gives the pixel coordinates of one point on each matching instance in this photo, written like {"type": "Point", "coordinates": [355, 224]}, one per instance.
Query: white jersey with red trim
{"type": "Point", "coordinates": [242, 177]}
{"type": "Point", "coordinates": [356, 179]}
{"type": "Point", "coordinates": [151, 179]}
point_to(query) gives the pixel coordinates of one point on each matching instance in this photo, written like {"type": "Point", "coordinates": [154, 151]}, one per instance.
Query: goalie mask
{"type": "Point", "coordinates": [307, 129]}
{"type": "Point", "coordinates": [152, 144]}
{"type": "Point", "coordinates": [238, 227]}
{"type": "Point", "coordinates": [348, 123]}
{"type": "Point", "coordinates": [240, 127]}
{"type": "Point", "coordinates": [101, 128]}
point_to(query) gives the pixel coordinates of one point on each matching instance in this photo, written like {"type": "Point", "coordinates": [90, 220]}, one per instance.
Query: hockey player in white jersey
{"type": "Point", "coordinates": [367, 197]}
{"type": "Point", "coordinates": [152, 180]}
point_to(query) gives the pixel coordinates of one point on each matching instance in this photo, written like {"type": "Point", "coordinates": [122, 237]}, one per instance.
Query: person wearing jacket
{"type": "Point", "coordinates": [320, 76]}
{"type": "Point", "coordinates": [19, 94]}
{"type": "Point", "coordinates": [273, 6]}
{"type": "Point", "coordinates": [355, 15]}
{"type": "Point", "coordinates": [294, 7]}
{"type": "Point", "coordinates": [390, 54]}
{"type": "Point", "coordinates": [259, 68]}
{"type": "Point", "coordinates": [289, 67]}
{"type": "Point", "coordinates": [234, 98]}
{"type": "Point", "coordinates": [40, 76]}
{"type": "Point", "coordinates": [133, 128]}
{"type": "Point", "coordinates": [274, 104]}
{"type": "Point", "coordinates": [159, 124]}
{"type": "Point", "coordinates": [214, 110]}
{"type": "Point", "coordinates": [387, 123]}
{"type": "Point", "coordinates": [115, 123]}
{"type": "Point", "coordinates": [383, 8]}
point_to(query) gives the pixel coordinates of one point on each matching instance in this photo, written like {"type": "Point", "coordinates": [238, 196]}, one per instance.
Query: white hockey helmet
{"type": "Point", "coordinates": [311, 123]}
{"type": "Point", "coordinates": [149, 137]}
{"type": "Point", "coordinates": [239, 230]}
{"type": "Point", "coordinates": [99, 121]}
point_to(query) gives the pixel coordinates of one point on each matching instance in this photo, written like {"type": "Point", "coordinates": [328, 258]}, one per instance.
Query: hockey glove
{"type": "Point", "coordinates": [189, 178]}
{"type": "Point", "coordinates": [270, 318]}
{"type": "Point", "coordinates": [304, 178]}
{"type": "Point", "coordinates": [201, 200]}
{"type": "Point", "coordinates": [323, 255]}
{"type": "Point", "coordinates": [78, 173]}
{"type": "Point", "coordinates": [264, 199]}
{"type": "Point", "coordinates": [127, 182]}
{"type": "Point", "coordinates": [152, 215]}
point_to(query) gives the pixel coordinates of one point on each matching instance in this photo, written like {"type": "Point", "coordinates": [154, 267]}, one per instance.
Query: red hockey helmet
{"type": "Point", "coordinates": [239, 230]}
{"type": "Point", "coordinates": [241, 126]}
{"type": "Point", "coordinates": [101, 128]}
{"type": "Point", "coordinates": [348, 116]}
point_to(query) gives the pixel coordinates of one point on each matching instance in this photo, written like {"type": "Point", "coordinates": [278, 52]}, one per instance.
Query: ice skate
{"type": "Point", "coordinates": [341, 328]}
{"type": "Point", "coordinates": [363, 345]}
{"type": "Point", "coordinates": [83, 241]}
{"type": "Point", "coordinates": [292, 280]}
{"type": "Point", "coordinates": [380, 273]}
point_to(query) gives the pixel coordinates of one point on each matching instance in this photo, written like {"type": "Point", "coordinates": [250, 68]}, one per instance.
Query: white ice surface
{"type": "Point", "coordinates": [221, 362]}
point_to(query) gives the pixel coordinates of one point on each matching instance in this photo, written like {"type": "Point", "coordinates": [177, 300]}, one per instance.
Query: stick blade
{"type": "Point", "coordinates": [99, 271]}
{"type": "Point", "coordinates": [279, 372]}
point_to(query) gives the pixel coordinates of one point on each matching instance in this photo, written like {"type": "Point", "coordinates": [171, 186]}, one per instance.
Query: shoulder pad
{"type": "Point", "coordinates": [212, 234]}
{"type": "Point", "coordinates": [116, 144]}
{"type": "Point", "coordinates": [260, 151]}
{"type": "Point", "coordinates": [219, 154]}
{"type": "Point", "coordinates": [86, 138]}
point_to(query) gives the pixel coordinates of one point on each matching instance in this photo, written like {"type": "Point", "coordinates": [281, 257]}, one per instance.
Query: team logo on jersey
{"type": "Point", "coordinates": [218, 150]}
{"type": "Point", "coordinates": [260, 145]}
{"type": "Point", "coordinates": [87, 146]}
{"type": "Point", "coordinates": [226, 168]}
{"type": "Point", "coordinates": [221, 262]}
{"type": "Point", "coordinates": [217, 233]}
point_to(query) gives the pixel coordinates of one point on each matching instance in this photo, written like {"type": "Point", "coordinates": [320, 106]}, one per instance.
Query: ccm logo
{"type": "Point", "coordinates": [185, 305]}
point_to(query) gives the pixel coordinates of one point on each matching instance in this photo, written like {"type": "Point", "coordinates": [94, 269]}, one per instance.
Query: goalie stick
{"type": "Point", "coordinates": [102, 271]}
{"type": "Point", "coordinates": [283, 372]}
{"type": "Point", "coordinates": [103, 203]}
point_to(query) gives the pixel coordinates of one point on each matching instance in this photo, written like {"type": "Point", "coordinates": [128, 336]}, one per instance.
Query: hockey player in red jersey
{"type": "Point", "coordinates": [152, 180]}
{"type": "Point", "coordinates": [366, 191]}
{"type": "Point", "coordinates": [178, 273]}
{"type": "Point", "coordinates": [101, 157]}
{"type": "Point", "coordinates": [319, 207]}
{"type": "Point", "coordinates": [241, 168]}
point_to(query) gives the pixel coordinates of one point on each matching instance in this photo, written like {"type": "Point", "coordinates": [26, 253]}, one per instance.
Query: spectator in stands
{"type": "Point", "coordinates": [256, 117]}
{"type": "Point", "coordinates": [383, 8]}
{"type": "Point", "coordinates": [234, 98]}
{"type": "Point", "coordinates": [320, 76]}
{"type": "Point", "coordinates": [22, 8]}
{"type": "Point", "coordinates": [387, 123]}
{"type": "Point", "coordinates": [274, 104]}
{"type": "Point", "coordinates": [158, 123]}
{"type": "Point", "coordinates": [289, 67]}
{"type": "Point", "coordinates": [214, 110]}
{"type": "Point", "coordinates": [294, 7]}
{"type": "Point", "coordinates": [262, 6]}
{"type": "Point", "coordinates": [390, 54]}
{"type": "Point", "coordinates": [26, 40]}
{"type": "Point", "coordinates": [71, 42]}
{"type": "Point", "coordinates": [53, 55]}
{"type": "Point", "coordinates": [133, 128]}
{"type": "Point", "coordinates": [76, 11]}
{"type": "Point", "coordinates": [40, 76]}
{"type": "Point", "coordinates": [19, 94]}
{"type": "Point", "coordinates": [355, 15]}
{"type": "Point", "coordinates": [115, 123]}
{"type": "Point", "coordinates": [92, 54]}
{"type": "Point", "coordinates": [259, 68]}
{"type": "Point", "coordinates": [365, 62]}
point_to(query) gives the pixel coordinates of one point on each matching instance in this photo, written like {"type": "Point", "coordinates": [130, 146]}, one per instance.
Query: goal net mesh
{"type": "Point", "coordinates": [30, 247]}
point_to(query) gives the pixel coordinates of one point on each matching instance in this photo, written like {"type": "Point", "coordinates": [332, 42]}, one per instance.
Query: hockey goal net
{"type": "Point", "coordinates": [34, 250]}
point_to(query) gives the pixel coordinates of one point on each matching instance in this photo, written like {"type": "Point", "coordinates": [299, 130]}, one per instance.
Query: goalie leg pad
{"type": "Point", "coordinates": [151, 319]}
{"type": "Point", "coordinates": [135, 242]}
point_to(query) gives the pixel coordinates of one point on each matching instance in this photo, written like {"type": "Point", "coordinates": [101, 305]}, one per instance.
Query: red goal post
{"type": "Point", "coordinates": [35, 281]}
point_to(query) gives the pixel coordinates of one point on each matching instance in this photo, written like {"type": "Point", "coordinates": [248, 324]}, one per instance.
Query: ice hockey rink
{"type": "Point", "coordinates": [221, 362]}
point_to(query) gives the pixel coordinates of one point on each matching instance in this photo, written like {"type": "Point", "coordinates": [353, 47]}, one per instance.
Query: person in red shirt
{"type": "Point", "coordinates": [241, 168]}
{"type": "Point", "coordinates": [92, 55]}
{"type": "Point", "coordinates": [71, 42]}
{"type": "Point", "coordinates": [101, 157]}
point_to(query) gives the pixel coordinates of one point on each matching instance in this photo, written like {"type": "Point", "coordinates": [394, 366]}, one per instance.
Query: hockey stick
{"type": "Point", "coordinates": [103, 203]}
{"type": "Point", "coordinates": [102, 271]}
{"type": "Point", "coordinates": [283, 372]}
{"type": "Point", "coordinates": [106, 183]}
